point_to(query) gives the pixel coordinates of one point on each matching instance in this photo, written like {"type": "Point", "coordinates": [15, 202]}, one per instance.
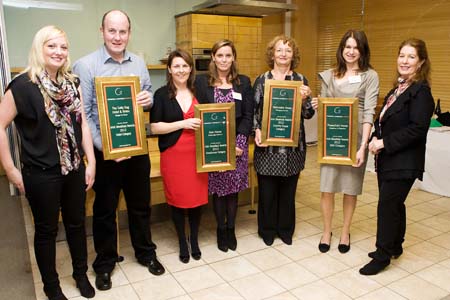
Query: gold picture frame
{"type": "Point", "coordinates": [281, 113]}
{"type": "Point", "coordinates": [215, 140]}
{"type": "Point", "coordinates": [338, 130]}
{"type": "Point", "coordinates": [122, 123]}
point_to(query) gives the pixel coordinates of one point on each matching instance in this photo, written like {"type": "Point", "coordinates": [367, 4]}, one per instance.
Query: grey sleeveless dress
{"type": "Point", "coordinates": [347, 179]}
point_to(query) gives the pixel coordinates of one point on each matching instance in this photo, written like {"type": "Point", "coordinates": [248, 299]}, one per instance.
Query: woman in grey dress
{"type": "Point", "coordinates": [352, 77]}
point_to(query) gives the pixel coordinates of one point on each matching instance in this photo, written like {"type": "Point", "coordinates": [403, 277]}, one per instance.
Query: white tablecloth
{"type": "Point", "coordinates": [436, 178]}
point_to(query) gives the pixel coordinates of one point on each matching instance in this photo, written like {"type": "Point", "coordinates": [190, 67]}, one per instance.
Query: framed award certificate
{"type": "Point", "coordinates": [215, 141]}
{"type": "Point", "coordinates": [338, 130]}
{"type": "Point", "coordinates": [281, 113]}
{"type": "Point", "coordinates": [121, 119]}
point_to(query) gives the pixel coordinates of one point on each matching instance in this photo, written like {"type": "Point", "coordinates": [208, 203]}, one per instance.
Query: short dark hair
{"type": "Point", "coordinates": [364, 52]}
{"type": "Point", "coordinates": [188, 59]}
{"type": "Point", "coordinates": [124, 13]}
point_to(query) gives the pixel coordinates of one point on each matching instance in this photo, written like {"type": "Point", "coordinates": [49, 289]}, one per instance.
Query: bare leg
{"type": "Point", "coordinates": [327, 205]}
{"type": "Point", "coordinates": [349, 205]}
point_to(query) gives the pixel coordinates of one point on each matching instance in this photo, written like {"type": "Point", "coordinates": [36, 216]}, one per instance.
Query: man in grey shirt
{"type": "Point", "coordinates": [132, 174]}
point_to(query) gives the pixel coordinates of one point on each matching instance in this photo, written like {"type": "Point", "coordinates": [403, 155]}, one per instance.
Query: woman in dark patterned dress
{"type": "Point", "coordinates": [278, 168]}
{"type": "Point", "coordinates": [223, 84]}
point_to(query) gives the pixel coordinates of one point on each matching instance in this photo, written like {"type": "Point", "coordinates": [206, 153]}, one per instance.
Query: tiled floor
{"type": "Point", "coordinates": [299, 271]}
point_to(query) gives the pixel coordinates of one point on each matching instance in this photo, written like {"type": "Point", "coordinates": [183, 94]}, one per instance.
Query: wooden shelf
{"type": "Point", "coordinates": [156, 67]}
{"type": "Point", "coordinates": [17, 69]}
{"type": "Point", "coordinates": [150, 67]}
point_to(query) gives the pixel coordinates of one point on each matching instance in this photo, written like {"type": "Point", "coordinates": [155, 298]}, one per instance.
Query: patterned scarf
{"type": "Point", "coordinates": [403, 84]}
{"type": "Point", "coordinates": [60, 101]}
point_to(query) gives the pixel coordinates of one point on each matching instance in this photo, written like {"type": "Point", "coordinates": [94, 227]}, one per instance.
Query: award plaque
{"type": "Point", "coordinates": [338, 130]}
{"type": "Point", "coordinates": [121, 119]}
{"type": "Point", "coordinates": [215, 141]}
{"type": "Point", "coordinates": [281, 113]}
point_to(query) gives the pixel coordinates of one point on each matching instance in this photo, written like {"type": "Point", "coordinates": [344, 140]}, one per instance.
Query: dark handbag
{"type": "Point", "coordinates": [444, 118]}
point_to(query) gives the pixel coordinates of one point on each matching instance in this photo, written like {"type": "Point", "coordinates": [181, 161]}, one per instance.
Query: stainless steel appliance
{"type": "Point", "coordinates": [202, 57]}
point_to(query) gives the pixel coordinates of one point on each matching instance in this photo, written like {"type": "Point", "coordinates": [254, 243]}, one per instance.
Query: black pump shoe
{"type": "Point", "coordinates": [231, 239]}
{"type": "Point", "coordinates": [222, 242]}
{"type": "Point", "coordinates": [343, 248]}
{"type": "Point", "coordinates": [184, 259]}
{"type": "Point", "coordinates": [85, 287]}
{"type": "Point", "coordinates": [195, 249]}
{"type": "Point", "coordinates": [324, 247]}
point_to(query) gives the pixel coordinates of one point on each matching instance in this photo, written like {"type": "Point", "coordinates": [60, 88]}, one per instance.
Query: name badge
{"type": "Point", "coordinates": [237, 96]}
{"type": "Point", "coordinates": [354, 79]}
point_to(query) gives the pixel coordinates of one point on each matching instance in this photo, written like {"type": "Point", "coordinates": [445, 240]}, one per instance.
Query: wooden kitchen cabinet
{"type": "Point", "coordinates": [202, 31]}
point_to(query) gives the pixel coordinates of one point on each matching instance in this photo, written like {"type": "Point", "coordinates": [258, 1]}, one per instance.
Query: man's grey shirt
{"type": "Point", "coordinates": [100, 63]}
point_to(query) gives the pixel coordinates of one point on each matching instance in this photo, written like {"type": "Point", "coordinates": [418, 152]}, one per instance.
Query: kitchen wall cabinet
{"type": "Point", "coordinates": [202, 31]}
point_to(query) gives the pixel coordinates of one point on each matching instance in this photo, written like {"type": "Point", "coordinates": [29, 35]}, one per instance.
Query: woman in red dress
{"type": "Point", "coordinates": [172, 118]}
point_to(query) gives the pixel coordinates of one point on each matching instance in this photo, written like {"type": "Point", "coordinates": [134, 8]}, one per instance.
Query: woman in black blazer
{"type": "Point", "coordinates": [223, 84]}
{"type": "Point", "coordinates": [398, 144]}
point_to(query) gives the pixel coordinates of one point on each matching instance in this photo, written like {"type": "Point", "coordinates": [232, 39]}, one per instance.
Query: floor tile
{"type": "Point", "coordinates": [283, 296]}
{"type": "Point", "coordinates": [266, 259]}
{"type": "Point", "coordinates": [383, 293]}
{"type": "Point", "coordinates": [291, 275]}
{"type": "Point", "coordinates": [198, 278]}
{"type": "Point", "coordinates": [219, 292]}
{"type": "Point", "coordinates": [116, 293]}
{"type": "Point", "coordinates": [158, 288]}
{"type": "Point", "coordinates": [234, 268]}
{"type": "Point", "coordinates": [250, 243]}
{"type": "Point", "coordinates": [323, 265]}
{"type": "Point", "coordinates": [430, 251]}
{"type": "Point", "coordinates": [298, 250]}
{"type": "Point", "coordinates": [411, 262]}
{"type": "Point", "coordinates": [258, 286]}
{"type": "Point", "coordinates": [437, 275]}
{"type": "Point", "coordinates": [352, 283]}
{"type": "Point", "coordinates": [415, 288]}
{"type": "Point", "coordinates": [319, 290]}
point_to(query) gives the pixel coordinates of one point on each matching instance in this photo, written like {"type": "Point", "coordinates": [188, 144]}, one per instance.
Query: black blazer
{"type": "Point", "coordinates": [244, 108]}
{"type": "Point", "coordinates": [403, 129]}
{"type": "Point", "coordinates": [168, 110]}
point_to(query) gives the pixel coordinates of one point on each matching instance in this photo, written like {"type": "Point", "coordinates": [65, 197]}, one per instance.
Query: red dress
{"type": "Point", "coordinates": [183, 186]}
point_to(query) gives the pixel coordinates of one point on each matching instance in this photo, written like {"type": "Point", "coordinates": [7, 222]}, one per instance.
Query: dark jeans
{"type": "Point", "coordinates": [133, 177]}
{"type": "Point", "coordinates": [276, 205]}
{"type": "Point", "coordinates": [391, 213]}
{"type": "Point", "coordinates": [47, 192]}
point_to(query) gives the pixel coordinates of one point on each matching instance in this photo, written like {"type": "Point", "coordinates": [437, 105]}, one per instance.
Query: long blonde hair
{"type": "Point", "coordinates": [36, 61]}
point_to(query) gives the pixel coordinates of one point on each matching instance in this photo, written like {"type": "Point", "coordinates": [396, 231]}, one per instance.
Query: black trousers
{"type": "Point", "coordinates": [276, 205]}
{"type": "Point", "coordinates": [133, 177]}
{"type": "Point", "coordinates": [391, 214]}
{"type": "Point", "coordinates": [48, 192]}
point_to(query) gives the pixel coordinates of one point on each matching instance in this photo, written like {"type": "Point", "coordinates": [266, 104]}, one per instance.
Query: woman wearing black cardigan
{"type": "Point", "coordinates": [398, 144]}
{"type": "Point", "coordinates": [223, 84]}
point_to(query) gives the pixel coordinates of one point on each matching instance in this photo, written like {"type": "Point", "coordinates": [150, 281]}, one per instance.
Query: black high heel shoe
{"type": "Point", "coordinates": [195, 249]}
{"type": "Point", "coordinates": [324, 247]}
{"type": "Point", "coordinates": [344, 248]}
{"type": "Point", "coordinates": [184, 252]}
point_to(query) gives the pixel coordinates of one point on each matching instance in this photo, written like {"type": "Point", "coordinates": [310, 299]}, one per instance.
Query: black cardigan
{"type": "Point", "coordinates": [404, 129]}
{"type": "Point", "coordinates": [244, 108]}
{"type": "Point", "coordinates": [167, 110]}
